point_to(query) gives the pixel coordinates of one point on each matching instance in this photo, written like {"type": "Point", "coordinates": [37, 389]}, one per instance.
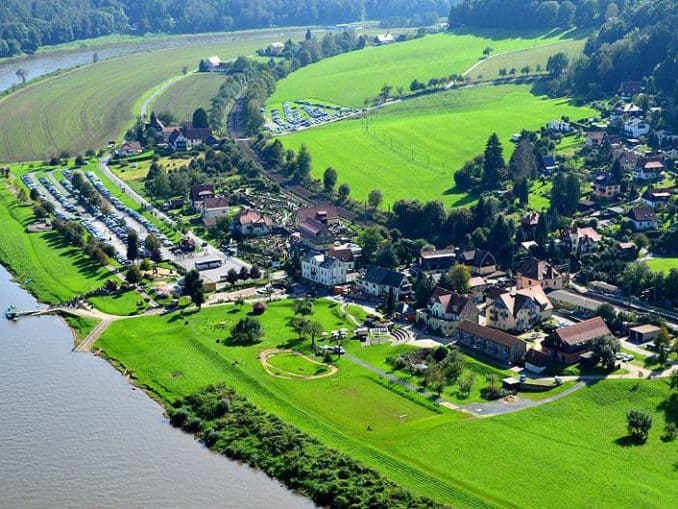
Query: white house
{"type": "Point", "coordinates": [327, 270]}
{"type": "Point", "coordinates": [559, 126]}
{"type": "Point", "coordinates": [643, 218]}
{"type": "Point", "coordinates": [635, 128]}
{"type": "Point", "coordinates": [214, 208]}
{"type": "Point", "coordinates": [383, 39]}
{"type": "Point", "coordinates": [276, 48]}
{"type": "Point", "coordinates": [379, 282]}
{"type": "Point", "coordinates": [648, 169]}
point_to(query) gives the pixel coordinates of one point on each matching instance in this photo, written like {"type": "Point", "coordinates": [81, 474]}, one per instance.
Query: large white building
{"type": "Point", "coordinates": [327, 270]}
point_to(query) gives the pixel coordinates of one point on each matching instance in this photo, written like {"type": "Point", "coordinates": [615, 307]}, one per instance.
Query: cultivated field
{"type": "Point", "coordinates": [85, 108]}
{"type": "Point", "coordinates": [412, 149]}
{"type": "Point", "coordinates": [508, 461]}
{"type": "Point", "coordinates": [349, 79]}
{"type": "Point", "coordinates": [187, 95]}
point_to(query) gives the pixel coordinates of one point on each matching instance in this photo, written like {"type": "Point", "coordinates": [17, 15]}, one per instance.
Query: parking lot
{"type": "Point", "coordinates": [305, 115]}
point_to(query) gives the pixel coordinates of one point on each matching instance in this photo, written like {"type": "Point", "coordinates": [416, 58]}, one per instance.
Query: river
{"type": "Point", "coordinates": [74, 433]}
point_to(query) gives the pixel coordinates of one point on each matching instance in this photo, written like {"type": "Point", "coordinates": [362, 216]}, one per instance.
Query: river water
{"type": "Point", "coordinates": [74, 433]}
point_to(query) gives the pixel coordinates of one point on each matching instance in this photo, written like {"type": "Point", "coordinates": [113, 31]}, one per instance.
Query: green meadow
{"type": "Point", "coordinates": [188, 94]}
{"type": "Point", "coordinates": [350, 78]}
{"type": "Point", "coordinates": [124, 304]}
{"type": "Point", "coordinates": [412, 149]}
{"type": "Point", "coordinates": [507, 461]}
{"type": "Point", "coordinates": [662, 264]}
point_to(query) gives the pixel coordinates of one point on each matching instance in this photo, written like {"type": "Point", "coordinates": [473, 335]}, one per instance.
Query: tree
{"type": "Point", "coordinates": [503, 72]}
{"type": "Point", "coordinates": [301, 326]}
{"type": "Point", "coordinates": [34, 194]}
{"type": "Point", "coordinates": [95, 58]}
{"type": "Point", "coordinates": [385, 92]}
{"type": "Point", "coordinates": [662, 341]}
{"type": "Point", "coordinates": [605, 349]}
{"type": "Point", "coordinates": [255, 272]}
{"type": "Point", "coordinates": [387, 257]}
{"type": "Point", "coordinates": [375, 198]}
{"type": "Point", "coordinates": [22, 74]}
{"type": "Point", "coordinates": [133, 274]}
{"type": "Point", "coordinates": [232, 276]}
{"type": "Point", "coordinates": [435, 379]}
{"type": "Point", "coordinates": [247, 331]}
{"type": "Point", "coordinates": [153, 246]}
{"type": "Point", "coordinates": [191, 282]}
{"type": "Point", "coordinates": [556, 64]}
{"type": "Point", "coordinates": [198, 295]}
{"type": "Point", "coordinates": [638, 424]}
{"type": "Point", "coordinates": [308, 34]}
{"type": "Point", "coordinates": [523, 163]}
{"type": "Point", "coordinates": [673, 379]}
{"type": "Point", "coordinates": [487, 51]}
{"type": "Point", "coordinates": [607, 313]}
{"type": "Point", "coordinates": [303, 307]}
{"type": "Point", "coordinates": [493, 163]}
{"type": "Point", "coordinates": [522, 191]}
{"type": "Point", "coordinates": [525, 70]}
{"type": "Point", "coordinates": [329, 179]}
{"type": "Point", "coordinates": [344, 191]}
{"type": "Point", "coordinates": [459, 277]}
{"type": "Point", "coordinates": [184, 70]}
{"type": "Point", "coordinates": [303, 164]}
{"type": "Point", "coordinates": [315, 329]}
{"type": "Point", "coordinates": [200, 119]}
{"type": "Point", "coordinates": [132, 245]}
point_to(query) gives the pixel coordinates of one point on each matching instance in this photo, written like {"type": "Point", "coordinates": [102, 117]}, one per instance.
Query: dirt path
{"type": "Point", "coordinates": [274, 371]}
{"type": "Point", "coordinates": [87, 343]}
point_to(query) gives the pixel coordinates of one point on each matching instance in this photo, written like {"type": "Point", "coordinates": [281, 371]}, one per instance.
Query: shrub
{"type": "Point", "coordinates": [638, 424]}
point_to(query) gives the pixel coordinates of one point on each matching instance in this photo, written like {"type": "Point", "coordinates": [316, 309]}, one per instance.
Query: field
{"type": "Point", "coordinates": [663, 264]}
{"type": "Point", "coordinates": [185, 96]}
{"type": "Point", "coordinates": [85, 108]}
{"type": "Point", "coordinates": [489, 69]}
{"type": "Point", "coordinates": [508, 461]}
{"type": "Point", "coordinates": [125, 304]}
{"type": "Point", "coordinates": [42, 262]}
{"type": "Point", "coordinates": [412, 149]}
{"type": "Point", "coordinates": [349, 79]}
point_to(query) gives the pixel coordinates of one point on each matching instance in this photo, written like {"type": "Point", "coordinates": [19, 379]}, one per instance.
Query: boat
{"type": "Point", "coordinates": [11, 313]}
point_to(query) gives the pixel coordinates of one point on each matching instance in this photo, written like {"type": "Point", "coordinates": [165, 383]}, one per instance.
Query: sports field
{"type": "Point", "coordinates": [185, 96]}
{"type": "Point", "coordinates": [412, 149]}
{"type": "Point", "coordinates": [508, 461]}
{"type": "Point", "coordinates": [87, 107]}
{"type": "Point", "coordinates": [349, 79]}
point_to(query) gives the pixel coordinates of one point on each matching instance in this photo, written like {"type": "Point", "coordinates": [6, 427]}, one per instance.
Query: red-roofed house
{"type": "Point", "coordinates": [567, 344]}
{"type": "Point", "coordinates": [445, 310]}
{"type": "Point", "coordinates": [250, 223]}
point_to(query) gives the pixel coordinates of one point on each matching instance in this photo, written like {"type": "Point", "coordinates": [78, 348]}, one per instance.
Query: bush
{"type": "Point", "coordinates": [638, 424]}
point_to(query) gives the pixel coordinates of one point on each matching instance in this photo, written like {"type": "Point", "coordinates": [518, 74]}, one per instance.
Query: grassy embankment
{"type": "Point", "coordinates": [185, 96]}
{"type": "Point", "coordinates": [85, 108]}
{"type": "Point", "coordinates": [412, 149]}
{"type": "Point", "coordinates": [124, 304]}
{"type": "Point", "coordinates": [505, 461]}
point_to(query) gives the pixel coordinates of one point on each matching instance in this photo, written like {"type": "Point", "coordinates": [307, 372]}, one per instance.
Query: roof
{"type": "Point", "coordinates": [606, 179]}
{"type": "Point", "coordinates": [345, 255]}
{"type": "Point", "coordinates": [215, 202]}
{"type": "Point", "coordinates": [538, 270]}
{"type": "Point", "coordinates": [453, 302]}
{"type": "Point", "coordinates": [493, 335]}
{"type": "Point", "coordinates": [385, 37]}
{"type": "Point", "coordinates": [381, 276]}
{"type": "Point", "coordinates": [198, 133]}
{"type": "Point", "coordinates": [653, 165]}
{"type": "Point", "coordinates": [536, 357]}
{"type": "Point", "coordinates": [252, 217]}
{"type": "Point", "coordinates": [131, 145]}
{"type": "Point", "coordinates": [441, 253]}
{"type": "Point", "coordinates": [214, 61]}
{"type": "Point", "coordinates": [531, 219]}
{"type": "Point", "coordinates": [645, 329]}
{"type": "Point", "coordinates": [589, 232]}
{"type": "Point", "coordinates": [514, 301]}
{"type": "Point", "coordinates": [596, 135]}
{"type": "Point", "coordinates": [200, 188]}
{"type": "Point", "coordinates": [583, 332]}
{"type": "Point", "coordinates": [312, 227]}
{"type": "Point", "coordinates": [642, 214]}
{"type": "Point", "coordinates": [477, 258]}
{"type": "Point", "coordinates": [322, 212]}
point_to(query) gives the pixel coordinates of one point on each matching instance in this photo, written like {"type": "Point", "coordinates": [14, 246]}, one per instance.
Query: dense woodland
{"type": "Point", "coordinates": [25, 25]}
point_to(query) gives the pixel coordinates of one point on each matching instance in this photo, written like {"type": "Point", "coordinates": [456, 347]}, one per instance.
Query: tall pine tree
{"type": "Point", "coordinates": [493, 164]}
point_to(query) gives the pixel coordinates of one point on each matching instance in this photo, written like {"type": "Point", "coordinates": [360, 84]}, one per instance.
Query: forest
{"type": "Point", "coordinates": [27, 25]}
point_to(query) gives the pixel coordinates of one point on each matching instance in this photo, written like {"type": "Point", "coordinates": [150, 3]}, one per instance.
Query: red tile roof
{"type": "Point", "coordinates": [494, 335]}
{"type": "Point", "coordinates": [583, 332]}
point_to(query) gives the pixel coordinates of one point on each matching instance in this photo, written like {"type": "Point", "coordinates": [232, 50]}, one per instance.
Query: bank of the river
{"type": "Point", "coordinates": [74, 433]}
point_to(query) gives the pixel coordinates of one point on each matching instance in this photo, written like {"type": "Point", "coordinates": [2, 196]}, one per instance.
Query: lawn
{"type": "Point", "coordinates": [124, 304]}
{"type": "Point", "coordinates": [576, 443]}
{"type": "Point", "coordinates": [412, 149]}
{"type": "Point", "coordinates": [662, 264]}
{"type": "Point", "coordinates": [288, 363]}
{"type": "Point", "coordinates": [52, 270]}
{"type": "Point", "coordinates": [185, 96]}
{"type": "Point", "coordinates": [86, 107]}
{"type": "Point", "coordinates": [540, 195]}
{"type": "Point", "coordinates": [81, 326]}
{"type": "Point", "coordinates": [350, 78]}
{"type": "Point", "coordinates": [489, 69]}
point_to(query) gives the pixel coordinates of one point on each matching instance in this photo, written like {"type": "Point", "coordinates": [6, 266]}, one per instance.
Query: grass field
{"type": "Point", "coordinates": [489, 69]}
{"type": "Point", "coordinates": [412, 149]}
{"type": "Point", "coordinates": [662, 264]}
{"type": "Point", "coordinates": [85, 108]}
{"type": "Point", "coordinates": [125, 304]}
{"type": "Point", "coordinates": [187, 95]}
{"type": "Point", "coordinates": [576, 443]}
{"type": "Point", "coordinates": [350, 78]}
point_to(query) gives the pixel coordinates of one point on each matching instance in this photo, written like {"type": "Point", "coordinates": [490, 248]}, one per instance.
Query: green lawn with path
{"type": "Point", "coordinates": [507, 461]}
{"type": "Point", "coordinates": [124, 304]}
{"type": "Point", "coordinates": [291, 364]}
{"type": "Point", "coordinates": [412, 149]}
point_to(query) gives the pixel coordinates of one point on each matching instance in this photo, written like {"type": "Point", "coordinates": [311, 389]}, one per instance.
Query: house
{"type": "Point", "coordinates": [445, 310]}
{"type": "Point", "coordinates": [213, 64]}
{"type": "Point", "coordinates": [379, 282]}
{"type": "Point", "coordinates": [199, 193]}
{"type": "Point", "coordinates": [643, 218]}
{"type": "Point", "coordinates": [635, 128]}
{"type": "Point", "coordinates": [276, 48]}
{"type": "Point", "coordinates": [327, 270]}
{"type": "Point", "coordinates": [536, 361]}
{"type": "Point", "coordinates": [559, 126]}
{"type": "Point", "coordinates": [643, 333]}
{"type": "Point", "coordinates": [538, 272]}
{"type": "Point", "coordinates": [630, 109]}
{"type": "Point", "coordinates": [627, 250]}
{"type": "Point", "coordinates": [582, 240]}
{"type": "Point", "coordinates": [198, 136]}
{"type": "Point", "coordinates": [480, 262]}
{"type": "Point", "coordinates": [177, 141]}
{"type": "Point", "coordinates": [517, 310]}
{"type": "Point", "coordinates": [655, 197]}
{"type": "Point", "coordinates": [250, 223]}
{"type": "Point", "coordinates": [497, 345]}
{"type": "Point", "coordinates": [529, 224]}
{"type": "Point", "coordinates": [595, 138]}
{"type": "Point", "coordinates": [548, 164]}
{"type": "Point", "coordinates": [326, 214]}
{"type": "Point", "coordinates": [214, 208]}
{"type": "Point", "coordinates": [384, 39]}
{"type": "Point", "coordinates": [648, 168]}
{"type": "Point", "coordinates": [130, 148]}
{"type": "Point", "coordinates": [437, 262]}
{"type": "Point", "coordinates": [606, 185]}
{"type": "Point", "coordinates": [316, 235]}
{"type": "Point", "coordinates": [627, 89]}
{"type": "Point", "coordinates": [567, 344]}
